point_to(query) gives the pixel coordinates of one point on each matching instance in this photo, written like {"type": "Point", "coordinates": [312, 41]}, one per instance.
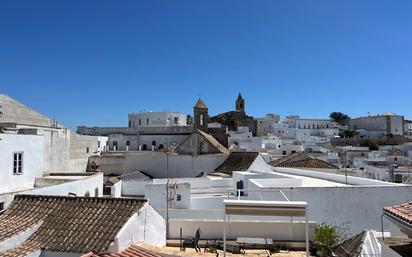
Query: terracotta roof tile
{"type": "Point", "coordinates": [131, 251]}
{"type": "Point", "coordinates": [67, 224]}
{"type": "Point", "coordinates": [309, 163]}
{"type": "Point", "coordinates": [200, 104]}
{"type": "Point", "coordinates": [401, 211]}
{"type": "Point", "coordinates": [302, 160]}
{"type": "Point", "coordinates": [237, 161]}
{"type": "Point", "coordinates": [351, 247]}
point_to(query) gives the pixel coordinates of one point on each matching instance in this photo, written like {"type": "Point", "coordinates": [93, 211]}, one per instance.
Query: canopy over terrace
{"type": "Point", "coordinates": [266, 208]}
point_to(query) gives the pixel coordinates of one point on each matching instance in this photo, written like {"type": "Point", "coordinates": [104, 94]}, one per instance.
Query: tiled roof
{"type": "Point", "coordinates": [237, 161]}
{"type": "Point", "coordinates": [351, 247]}
{"type": "Point", "coordinates": [309, 163]}
{"type": "Point", "coordinates": [200, 104]}
{"type": "Point", "coordinates": [287, 158]}
{"type": "Point", "coordinates": [214, 142]}
{"type": "Point", "coordinates": [131, 251]}
{"type": "Point", "coordinates": [137, 175]}
{"type": "Point", "coordinates": [67, 224]}
{"type": "Point", "coordinates": [302, 160]}
{"type": "Point", "coordinates": [401, 211]}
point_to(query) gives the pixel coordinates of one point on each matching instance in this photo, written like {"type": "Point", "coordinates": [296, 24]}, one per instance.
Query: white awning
{"type": "Point", "coordinates": [265, 208]}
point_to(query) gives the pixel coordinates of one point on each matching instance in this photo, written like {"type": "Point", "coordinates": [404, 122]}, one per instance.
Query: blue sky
{"type": "Point", "coordinates": [93, 62]}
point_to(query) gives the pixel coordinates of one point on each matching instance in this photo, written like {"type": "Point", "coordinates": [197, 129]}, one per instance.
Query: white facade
{"type": "Point", "coordinates": [380, 125]}
{"type": "Point", "coordinates": [266, 125]}
{"type": "Point", "coordinates": [157, 119]}
{"type": "Point", "coordinates": [31, 149]}
{"type": "Point", "coordinates": [306, 130]}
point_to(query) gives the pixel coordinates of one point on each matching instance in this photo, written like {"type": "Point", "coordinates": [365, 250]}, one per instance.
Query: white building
{"type": "Point", "coordinates": [266, 125]}
{"type": "Point", "coordinates": [306, 130]}
{"type": "Point", "coordinates": [59, 144]}
{"type": "Point", "coordinates": [21, 161]}
{"type": "Point", "coordinates": [157, 119]}
{"type": "Point", "coordinates": [381, 125]}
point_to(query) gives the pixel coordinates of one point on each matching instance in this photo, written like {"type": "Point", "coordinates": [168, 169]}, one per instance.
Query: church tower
{"type": "Point", "coordinates": [200, 115]}
{"type": "Point", "coordinates": [240, 103]}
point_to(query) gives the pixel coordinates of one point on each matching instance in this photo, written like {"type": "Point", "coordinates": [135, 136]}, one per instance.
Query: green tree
{"type": "Point", "coordinates": [348, 133]}
{"type": "Point", "coordinates": [340, 118]}
{"type": "Point", "coordinates": [372, 144]}
{"type": "Point", "coordinates": [189, 119]}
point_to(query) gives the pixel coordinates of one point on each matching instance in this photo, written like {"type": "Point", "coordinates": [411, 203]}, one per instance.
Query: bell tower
{"type": "Point", "coordinates": [200, 115]}
{"type": "Point", "coordinates": [240, 103]}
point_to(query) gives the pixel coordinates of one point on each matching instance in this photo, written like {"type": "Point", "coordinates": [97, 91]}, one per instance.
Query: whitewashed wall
{"type": "Point", "coordinates": [157, 195]}
{"type": "Point", "coordinates": [78, 187]}
{"type": "Point", "coordinates": [32, 148]}
{"type": "Point", "coordinates": [145, 226]}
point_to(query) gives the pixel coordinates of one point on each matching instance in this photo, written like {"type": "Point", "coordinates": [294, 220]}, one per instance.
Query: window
{"type": "Point", "coordinates": [17, 163]}
{"type": "Point", "coordinates": [1, 206]}
{"type": "Point", "coordinates": [130, 123]}
{"type": "Point", "coordinates": [127, 142]}
{"type": "Point", "coordinates": [153, 142]}
{"type": "Point", "coordinates": [87, 149]}
{"type": "Point", "coordinates": [283, 152]}
{"type": "Point", "coordinates": [201, 119]}
{"type": "Point", "coordinates": [176, 120]}
{"type": "Point", "coordinates": [178, 197]}
{"type": "Point", "coordinates": [140, 122]}
{"type": "Point", "coordinates": [147, 121]}
{"type": "Point", "coordinates": [98, 144]}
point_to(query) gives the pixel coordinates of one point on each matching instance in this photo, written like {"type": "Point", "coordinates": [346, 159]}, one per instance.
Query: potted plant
{"type": "Point", "coordinates": [324, 238]}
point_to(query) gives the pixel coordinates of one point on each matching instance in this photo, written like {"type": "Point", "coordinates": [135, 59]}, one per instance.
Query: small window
{"type": "Point", "coordinates": [176, 120]}
{"type": "Point", "coordinates": [127, 142]}
{"type": "Point", "coordinates": [283, 152]}
{"type": "Point", "coordinates": [17, 163]}
{"type": "Point", "coordinates": [130, 123]}
{"type": "Point", "coordinates": [1, 206]}
{"type": "Point", "coordinates": [153, 142]}
{"type": "Point", "coordinates": [178, 197]}
{"type": "Point", "coordinates": [98, 144]}
{"type": "Point", "coordinates": [201, 119]}
{"type": "Point", "coordinates": [395, 159]}
{"type": "Point", "coordinates": [147, 121]}
{"type": "Point", "coordinates": [140, 122]}
{"type": "Point", "coordinates": [87, 149]}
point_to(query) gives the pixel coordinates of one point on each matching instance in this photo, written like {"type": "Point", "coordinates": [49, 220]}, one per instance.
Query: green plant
{"type": "Point", "coordinates": [325, 237]}
{"type": "Point", "coordinates": [340, 118]}
{"type": "Point", "coordinates": [211, 249]}
{"type": "Point", "coordinates": [372, 144]}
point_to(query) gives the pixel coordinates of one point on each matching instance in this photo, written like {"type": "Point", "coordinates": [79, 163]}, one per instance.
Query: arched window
{"type": "Point", "coordinates": [87, 194]}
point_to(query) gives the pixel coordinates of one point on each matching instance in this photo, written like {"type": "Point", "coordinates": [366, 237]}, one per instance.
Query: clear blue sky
{"type": "Point", "coordinates": [93, 62]}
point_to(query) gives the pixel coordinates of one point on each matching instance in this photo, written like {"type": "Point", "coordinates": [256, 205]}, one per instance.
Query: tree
{"type": "Point", "coordinates": [373, 145]}
{"type": "Point", "coordinates": [340, 118]}
{"type": "Point", "coordinates": [348, 133]}
{"type": "Point", "coordinates": [189, 119]}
